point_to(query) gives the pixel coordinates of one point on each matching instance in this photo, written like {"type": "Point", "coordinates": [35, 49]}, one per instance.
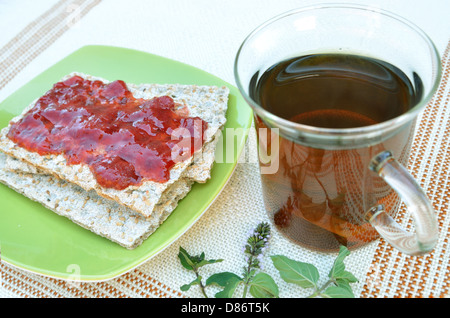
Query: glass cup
{"type": "Point", "coordinates": [326, 187]}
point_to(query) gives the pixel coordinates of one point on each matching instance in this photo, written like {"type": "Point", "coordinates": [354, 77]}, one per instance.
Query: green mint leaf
{"type": "Point", "coordinates": [186, 259]}
{"type": "Point", "coordinates": [194, 262]}
{"type": "Point", "coordinates": [196, 281]}
{"type": "Point", "coordinates": [250, 274]}
{"type": "Point", "coordinates": [263, 286]}
{"type": "Point", "coordinates": [346, 276]}
{"type": "Point", "coordinates": [229, 289]}
{"type": "Point", "coordinates": [337, 292]}
{"type": "Point", "coordinates": [339, 266]}
{"type": "Point", "coordinates": [302, 274]}
{"type": "Point", "coordinates": [206, 262]}
{"type": "Point", "coordinates": [226, 279]}
{"type": "Point", "coordinates": [221, 279]}
{"type": "Point", "coordinates": [344, 284]}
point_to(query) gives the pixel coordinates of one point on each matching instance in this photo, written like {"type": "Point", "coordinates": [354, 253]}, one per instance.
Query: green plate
{"type": "Point", "coordinates": [38, 240]}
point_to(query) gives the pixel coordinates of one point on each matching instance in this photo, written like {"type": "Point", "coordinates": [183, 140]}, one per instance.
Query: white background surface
{"type": "Point", "coordinates": [203, 33]}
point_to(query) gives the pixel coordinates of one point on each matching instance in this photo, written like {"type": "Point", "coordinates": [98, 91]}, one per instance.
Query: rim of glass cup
{"type": "Point", "coordinates": [366, 131]}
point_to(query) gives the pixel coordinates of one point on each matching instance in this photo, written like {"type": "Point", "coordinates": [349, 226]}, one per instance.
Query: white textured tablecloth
{"type": "Point", "coordinates": [207, 34]}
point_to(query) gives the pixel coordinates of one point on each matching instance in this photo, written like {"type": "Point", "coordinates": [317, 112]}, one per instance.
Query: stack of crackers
{"type": "Point", "coordinates": [126, 217]}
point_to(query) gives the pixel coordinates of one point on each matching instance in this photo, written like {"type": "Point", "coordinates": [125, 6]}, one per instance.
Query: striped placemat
{"type": "Point", "coordinates": [39, 35]}
{"type": "Point", "coordinates": [385, 272]}
{"type": "Point", "coordinates": [391, 273]}
{"type": "Point", "coordinates": [135, 284]}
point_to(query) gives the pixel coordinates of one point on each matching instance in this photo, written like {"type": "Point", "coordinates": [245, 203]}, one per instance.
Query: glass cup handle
{"type": "Point", "coordinates": [426, 229]}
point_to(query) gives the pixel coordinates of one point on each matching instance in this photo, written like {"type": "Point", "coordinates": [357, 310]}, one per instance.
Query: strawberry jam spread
{"type": "Point", "coordinates": [124, 140]}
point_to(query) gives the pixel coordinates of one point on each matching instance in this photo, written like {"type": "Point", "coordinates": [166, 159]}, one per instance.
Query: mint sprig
{"type": "Point", "coordinates": [307, 276]}
{"type": "Point", "coordinates": [259, 283]}
{"type": "Point", "coordinates": [193, 263]}
{"type": "Point", "coordinates": [262, 285]}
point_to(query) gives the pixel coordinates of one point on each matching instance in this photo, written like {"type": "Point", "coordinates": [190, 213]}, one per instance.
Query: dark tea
{"type": "Point", "coordinates": [318, 197]}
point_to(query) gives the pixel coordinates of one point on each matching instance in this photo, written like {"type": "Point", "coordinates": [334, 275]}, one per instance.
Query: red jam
{"type": "Point", "coordinates": [124, 140]}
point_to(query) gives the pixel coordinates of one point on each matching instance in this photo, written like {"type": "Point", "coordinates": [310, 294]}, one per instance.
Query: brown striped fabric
{"type": "Point", "coordinates": [134, 284]}
{"type": "Point", "coordinates": [391, 273]}
{"type": "Point", "coordinates": [39, 35]}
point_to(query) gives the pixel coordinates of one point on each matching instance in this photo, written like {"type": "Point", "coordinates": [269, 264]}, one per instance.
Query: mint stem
{"type": "Point", "coordinates": [248, 278]}
{"type": "Point", "coordinates": [318, 291]}
{"type": "Point", "coordinates": [202, 287]}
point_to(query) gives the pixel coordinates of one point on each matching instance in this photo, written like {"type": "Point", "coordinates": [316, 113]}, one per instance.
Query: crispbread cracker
{"type": "Point", "coordinates": [206, 102]}
{"type": "Point", "coordinates": [99, 215]}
